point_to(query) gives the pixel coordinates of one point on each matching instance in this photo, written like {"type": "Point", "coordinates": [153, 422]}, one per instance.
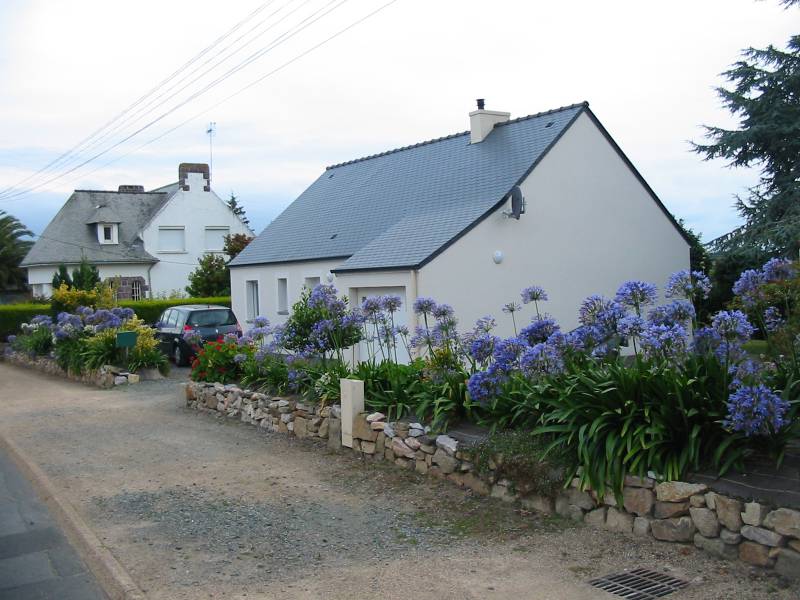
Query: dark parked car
{"type": "Point", "coordinates": [209, 321]}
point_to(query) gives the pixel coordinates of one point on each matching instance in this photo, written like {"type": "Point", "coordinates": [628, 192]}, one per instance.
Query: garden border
{"type": "Point", "coordinates": [105, 377]}
{"type": "Point", "coordinates": [728, 528]}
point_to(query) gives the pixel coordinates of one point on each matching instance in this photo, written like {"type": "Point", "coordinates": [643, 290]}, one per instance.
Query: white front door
{"type": "Point", "coordinates": [373, 349]}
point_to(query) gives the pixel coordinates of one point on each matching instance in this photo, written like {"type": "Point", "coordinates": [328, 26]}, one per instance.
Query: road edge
{"type": "Point", "coordinates": [110, 574]}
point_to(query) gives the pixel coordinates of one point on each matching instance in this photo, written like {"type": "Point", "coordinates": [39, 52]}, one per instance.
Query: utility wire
{"type": "Point", "coordinates": [307, 22]}
{"type": "Point", "coordinates": [142, 98]}
{"type": "Point", "coordinates": [229, 97]}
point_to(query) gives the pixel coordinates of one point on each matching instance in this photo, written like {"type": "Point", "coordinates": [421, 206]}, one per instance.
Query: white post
{"type": "Point", "coordinates": [352, 391]}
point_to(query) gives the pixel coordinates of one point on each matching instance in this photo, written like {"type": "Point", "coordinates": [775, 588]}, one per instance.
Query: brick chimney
{"type": "Point", "coordinates": [184, 169]}
{"type": "Point", "coordinates": [482, 121]}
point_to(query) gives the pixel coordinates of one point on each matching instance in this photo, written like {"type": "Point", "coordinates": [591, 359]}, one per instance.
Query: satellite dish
{"type": "Point", "coordinates": [517, 203]}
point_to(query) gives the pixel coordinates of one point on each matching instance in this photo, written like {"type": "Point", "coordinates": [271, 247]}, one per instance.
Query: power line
{"type": "Point", "coordinates": [226, 99]}
{"type": "Point", "coordinates": [307, 22]}
{"type": "Point", "coordinates": [140, 99]}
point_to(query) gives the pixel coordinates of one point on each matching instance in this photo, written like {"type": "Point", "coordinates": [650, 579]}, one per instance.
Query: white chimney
{"type": "Point", "coordinates": [481, 122]}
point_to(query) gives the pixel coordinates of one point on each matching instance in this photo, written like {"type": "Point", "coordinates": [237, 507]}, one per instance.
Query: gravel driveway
{"type": "Point", "coordinates": [198, 507]}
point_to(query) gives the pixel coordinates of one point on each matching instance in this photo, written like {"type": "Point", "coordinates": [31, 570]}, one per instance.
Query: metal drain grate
{"type": "Point", "coordinates": [639, 584]}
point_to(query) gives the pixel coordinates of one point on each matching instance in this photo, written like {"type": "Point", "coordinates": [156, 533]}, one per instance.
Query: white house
{"type": "Point", "coordinates": [148, 242]}
{"type": "Point", "coordinates": [438, 219]}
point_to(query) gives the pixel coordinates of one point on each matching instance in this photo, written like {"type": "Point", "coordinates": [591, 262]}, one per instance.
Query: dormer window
{"type": "Point", "coordinates": [107, 233]}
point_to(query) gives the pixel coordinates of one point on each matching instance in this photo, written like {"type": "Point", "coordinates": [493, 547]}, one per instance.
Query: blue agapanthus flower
{"type": "Point", "coordinates": [391, 303]}
{"type": "Point", "coordinates": [539, 330]}
{"type": "Point", "coordinates": [511, 307]}
{"type": "Point", "coordinates": [688, 284]}
{"type": "Point", "coordinates": [678, 311]}
{"type": "Point", "coordinates": [664, 342]}
{"type": "Point", "coordinates": [777, 269]}
{"type": "Point", "coordinates": [755, 410]}
{"type": "Point", "coordinates": [371, 308]}
{"type": "Point", "coordinates": [748, 286]}
{"type": "Point", "coordinates": [533, 294]}
{"type": "Point", "coordinates": [261, 321]}
{"type": "Point", "coordinates": [424, 306]}
{"type": "Point", "coordinates": [507, 353]}
{"type": "Point", "coordinates": [773, 320]}
{"type": "Point", "coordinates": [239, 358]}
{"type": "Point", "coordinates": [542, 359]}
{"type": "Point", "coordinates": [443, 312]}
{"type": "Point", "coordinates": [732, 325]}
{"type": "Point", "coordinates": [631, 326]}
{"type": "Point", "coordinates": [636, 294]}
{"type": "Point", "coordinates": [482, 347]}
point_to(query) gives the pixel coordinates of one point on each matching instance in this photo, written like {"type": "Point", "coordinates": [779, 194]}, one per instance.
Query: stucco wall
{"type": "Point", "coordinates": [195, 210]}
{"type": "Point", "coordinates": [44, 275]}
{"type": "Point", "coordinates": [589, 226]}
{"type": "Point", "coordinates": [267, 277]}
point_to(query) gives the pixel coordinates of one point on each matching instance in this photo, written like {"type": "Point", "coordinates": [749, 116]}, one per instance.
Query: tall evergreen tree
{"type": "Point", "coordinates": [765, 96]}
{"type": "Point", "coordinates": [13, 248]}
{"type": "Point", "coordinates": [238, 209]}
{"type": "Point", "coordinates": [61, 276]}
{"type": "Point", "coordinates": [85, 276]}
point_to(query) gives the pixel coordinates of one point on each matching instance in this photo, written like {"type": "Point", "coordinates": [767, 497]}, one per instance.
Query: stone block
{"type": "Point", "coordinates": [640, 482]}
{"type": "Point", "coordinates": [356, 445]}
{"type": "Point", "coordinates": [755, 554]}
{"type": "Point", "coordinates": [446, 462]}
{"type": "Point", "coordinates": [706, 521]}
{"type": "Point", "coordinates": [697, 501]}
{"type": "Point", "coordinates": [388, 454]}
{"type": "Point", "coordinates": [367, 447]}
{"type": "Point", "coordinates": [412, 443]}
{"type": "Point", "coordinates": [503, 492]}
{"type": "Point", "coordinates": [122, 380]}
{"type": "Point", "coordinates": [470, 481]}
{"type": "Point", "coordinates": [427, 448]}
{"type": "Point", "coordinates": [729, 512]}
{"type": "Point", "coordinates": [448, 444]}
{"type": "Point", "coordinates": [334, 433]}
{"type": "Point", "coordinates": [678, 491]}
{"type": "Point", "coordinates": [637, 500]}
{"type": "Point", "coordinates": [754, 513]}
{"type": "Point", "coordinates": [716, 547]}
{"type": "Point", "coordinates": [680, 529]}
{"type": "Point", "coordinates": [400, 449]}
{"type": "Point", "coordinates": [788, 563]}
{"type": "Point", "coordinates": [580, 498]}
{"type": "Point", "coordinates": [324, 428]}
{"type": "Point", "coordinates": [641, 526]}
{"type": "Point", "coordinates": [762, 536]}
{"type": "Point", "coordinates": [301, 427]}
{"type": "Point", "coordinates": [617, 520]}
{"type": "Point", "coordinates": [785, 521]}
{"type": "Point", "coordinates": [380, 443]}
{"type": "Point", "coordinates": [377, 425]}
{"type": "Point", "coordinates": [794, 545]}
{"type": "Point", "coordinates": [421, 466]}
{"type": "Point", "coordinates": [730, 537]}
{"type": "Point", "coordinates": [542, 504]}
{"type": "Point", "coordinates": [667, 510]}
{"type": "Point", "coordinates": [375, 417]}
{"type": "Point", "coordinates": [596, 517]}
{"type": "Point", "coordinates": [133, 378]}
{"type": "Point", "coordinates": [404, 463]}
{"type": "Point", "coordinates": [362, 429]}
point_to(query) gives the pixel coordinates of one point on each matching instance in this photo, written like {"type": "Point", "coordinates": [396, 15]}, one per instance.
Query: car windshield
{"type": "Point", "coordinates": [212, 318]}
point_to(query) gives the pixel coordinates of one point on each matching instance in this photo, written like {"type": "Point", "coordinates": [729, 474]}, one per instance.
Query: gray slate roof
{"type": "Point", "coordinates": [69, 235]}
{"type": "Point", "coordinates": [400, 208]}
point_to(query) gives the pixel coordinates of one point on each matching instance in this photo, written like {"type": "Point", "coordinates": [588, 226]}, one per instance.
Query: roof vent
{"type": "Point", "coordinates": [482, 121]}
{"type": "Point", "coordinates": [131, 189]}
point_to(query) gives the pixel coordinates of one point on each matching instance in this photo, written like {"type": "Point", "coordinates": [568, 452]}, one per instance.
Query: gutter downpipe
{"type": "Point", "coordinates": [413, 295]}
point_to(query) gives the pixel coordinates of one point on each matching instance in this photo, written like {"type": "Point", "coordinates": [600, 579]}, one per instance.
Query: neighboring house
{"type": "Point", "coordinates": [148, 242]}
{"type": "Point", "coordinates": [436, 219]}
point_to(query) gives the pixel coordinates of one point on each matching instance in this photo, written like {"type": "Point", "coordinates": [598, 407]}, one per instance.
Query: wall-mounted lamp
{"type": "Point", "coordinates": [497, 257]}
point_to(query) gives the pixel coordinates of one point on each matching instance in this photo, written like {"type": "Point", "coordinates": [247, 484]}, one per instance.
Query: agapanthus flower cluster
{"type": "Point", "coordinates": [636, 294]}
{"type": "Point", "coordinates": [688, 284]}
{"type": "Point", "coordinates": [773, 320]}
{"type": "Point", "coordinates": [667, 343]}
{"type": "Point", "coordinates": [748, 287]}
{"type": "Point", "coordinates": [539, 330]}
{"type": "Point", "coordinates": [533, 293]}
{"type": "Point", "coordinates": [777, 269]}
{"type": "Point", "coordinates": [679, 312]}
{"type": "Point", "coordinates": [728, 332]}
{"type": "Point", "coordinates": [542, 359]}
{"type": "Point", "coordinates": [755, 410]}
{"type": "Point", "coordinates": [67, 326]}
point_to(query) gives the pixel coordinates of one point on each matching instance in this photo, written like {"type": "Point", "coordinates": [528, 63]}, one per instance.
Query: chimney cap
{"type": "Point", "coordinates": [481, 103]}
{"type": "Point", "coordinates": [130, 189]}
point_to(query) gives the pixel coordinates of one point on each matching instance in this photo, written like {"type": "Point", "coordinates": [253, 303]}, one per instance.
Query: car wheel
{"type": "Point", "coordinates": [179, 356]}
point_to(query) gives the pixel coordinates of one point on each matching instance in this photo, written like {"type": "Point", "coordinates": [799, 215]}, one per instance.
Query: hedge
{"type": "Point", "coordinates": [14, 315]}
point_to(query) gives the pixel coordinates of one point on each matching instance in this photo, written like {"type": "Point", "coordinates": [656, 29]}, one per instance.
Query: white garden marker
{"type": "Point", "coordinates": [352, 391]}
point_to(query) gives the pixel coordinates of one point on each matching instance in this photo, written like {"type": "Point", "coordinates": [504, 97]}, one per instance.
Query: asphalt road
{"type": "Point", "coordinates": [36, 561]}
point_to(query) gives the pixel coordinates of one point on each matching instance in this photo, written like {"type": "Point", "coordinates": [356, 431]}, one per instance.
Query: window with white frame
{"type": "Point", "coordinates": [312, 282]}
{"type": "Point", "coordinates": [283, 296]}
{"type": "Point", "coordinates": [215, 238]}
{"type": "Point", "coordinates": [107, 233]}
{"type": "Point", "coordinates": [136, 289]}
{"type": "Point", "coordinates": [251, 299]}
{"type": "Point", "coordinates": [172, 239]}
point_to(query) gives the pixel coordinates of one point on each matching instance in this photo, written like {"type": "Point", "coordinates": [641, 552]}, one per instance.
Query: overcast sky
{"type": "Point", "coordinates": [410, 72]}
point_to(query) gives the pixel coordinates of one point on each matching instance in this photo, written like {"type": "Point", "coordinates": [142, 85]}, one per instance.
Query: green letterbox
{"type": "Point", "coordinates": [127, 339]}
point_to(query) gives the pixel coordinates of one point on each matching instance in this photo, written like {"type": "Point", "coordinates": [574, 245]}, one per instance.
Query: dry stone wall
{"type": "Point", "coordinates": [105, 377]}
{"type": "Point", "coordinates": [675, 511]}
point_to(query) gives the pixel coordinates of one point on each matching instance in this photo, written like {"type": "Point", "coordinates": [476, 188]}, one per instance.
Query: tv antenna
{"type": "Point", "coordinates": [211, 132]}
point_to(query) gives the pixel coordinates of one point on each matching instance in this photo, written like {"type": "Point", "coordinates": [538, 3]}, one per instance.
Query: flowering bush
{"type": "Point", "coordinates": [218, 360]}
